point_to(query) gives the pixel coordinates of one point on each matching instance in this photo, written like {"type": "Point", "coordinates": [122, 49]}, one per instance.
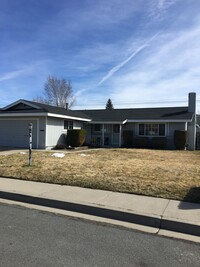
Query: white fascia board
{"type": "Point", "coordinates": [106, 122]}
{"type": "Point", "coordinates": [42, 114]}
{"type": "Point", "coordinates": [4, 115]}
{"type": "Point", "coordinates": [21, 101]}
{"type": "Point", "coordinates": [163, 121]}
{"type": "Point", "coordinates": [67, 117]}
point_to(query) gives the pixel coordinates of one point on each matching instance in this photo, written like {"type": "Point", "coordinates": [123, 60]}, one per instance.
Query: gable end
{"type": "Point", "coordinates": [20, 107]}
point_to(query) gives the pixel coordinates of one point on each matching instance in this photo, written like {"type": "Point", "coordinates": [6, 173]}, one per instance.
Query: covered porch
{"type": "Point", "coordinates": [104, 134]}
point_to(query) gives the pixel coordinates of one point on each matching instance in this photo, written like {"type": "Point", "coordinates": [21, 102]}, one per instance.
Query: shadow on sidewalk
{"type": "Point", "coordinates": [193, 196]}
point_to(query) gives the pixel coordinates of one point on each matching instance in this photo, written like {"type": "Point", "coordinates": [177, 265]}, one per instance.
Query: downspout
{"type": "Point", "coordinates": [112, 133]}
{"type": "Point", "coordinates": [38, 133]}
{"type": "Point", "coordinates": [103, 135]}
{"type": "Point", "coordinates": [120, 135]}
{"type": "Point", "coordinates": [91, 131]}
{"type": "Point", "coordinates": [46, 132]}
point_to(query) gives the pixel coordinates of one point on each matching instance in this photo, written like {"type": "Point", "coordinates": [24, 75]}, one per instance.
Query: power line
{"type": "Point", "coordinates": [136, 103]}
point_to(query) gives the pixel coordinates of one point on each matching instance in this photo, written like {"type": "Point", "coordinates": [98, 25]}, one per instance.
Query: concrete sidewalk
{"type": "Point", "coordinates": [162, 214]}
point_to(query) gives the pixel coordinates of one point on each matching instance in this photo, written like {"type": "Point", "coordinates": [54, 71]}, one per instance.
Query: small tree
{"type": "Point", "coordinates": [109, 104]}
{"type": "Point", "coordinates": [57, 93]}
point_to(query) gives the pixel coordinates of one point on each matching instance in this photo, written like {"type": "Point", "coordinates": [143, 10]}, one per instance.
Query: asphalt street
{"type": "Point", "coordinates": [35, 238]}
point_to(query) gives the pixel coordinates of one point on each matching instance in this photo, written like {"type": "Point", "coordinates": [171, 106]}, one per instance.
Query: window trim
{"type": "Point", "coordinates": [69, 125]}
{"type": "Point", "coordinates": [147, 135]}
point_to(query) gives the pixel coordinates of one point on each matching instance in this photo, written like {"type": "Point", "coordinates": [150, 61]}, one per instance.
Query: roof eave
{"type": "Point", "coordinates": [67, 117]}
{"type": "Point", "coordinates": [159, 120]}
{"type": "Point", "coordinates": [21, 101]}
{"type": "Point", "coordinates": [41, 114]}
{"type": "Point", "coordinates": [143, 120]}
{"type": "Point", "coordinates": [6, 115]}
{"type": "Point", "coordinates": [106, 122]}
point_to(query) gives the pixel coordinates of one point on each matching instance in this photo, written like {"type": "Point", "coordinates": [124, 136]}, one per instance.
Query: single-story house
{"type": "Point", "coordinates": [104, 128]}
{"type": "Point", "coordinates": [145, 125]}
{"type": "Point", "coordinates": [50, 124]}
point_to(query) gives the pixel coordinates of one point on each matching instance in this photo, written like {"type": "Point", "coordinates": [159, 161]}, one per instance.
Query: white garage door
{"type": "Point", "coordinates": [15, 133]}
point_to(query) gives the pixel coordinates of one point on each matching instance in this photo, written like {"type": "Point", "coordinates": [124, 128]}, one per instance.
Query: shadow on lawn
{"type": "Point", "coordinates": [193, 195]}
{"type": "Point", "coordinates": [7, 148]}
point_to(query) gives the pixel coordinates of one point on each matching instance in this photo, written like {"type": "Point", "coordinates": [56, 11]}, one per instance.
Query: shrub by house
{"type": "Point", "coordinates": [75, 138]}
{"type": "Point", "coordinates": [127, 138]}
{"type": "Point", "coordinates": [180, 139]}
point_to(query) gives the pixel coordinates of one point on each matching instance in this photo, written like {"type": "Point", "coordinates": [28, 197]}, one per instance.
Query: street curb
{"type": "Point", "coordinates": [180, 227]}
{"type": "Point", "coordinates": [145, 220]}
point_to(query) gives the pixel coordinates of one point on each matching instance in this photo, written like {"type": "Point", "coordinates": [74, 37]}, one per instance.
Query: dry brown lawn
{"type": "Point", "coordinates": [167, 174]}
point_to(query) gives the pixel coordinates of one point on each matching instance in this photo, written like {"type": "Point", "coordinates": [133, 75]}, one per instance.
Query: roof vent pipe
{"type": "Point", "coordinates": [66, 106]}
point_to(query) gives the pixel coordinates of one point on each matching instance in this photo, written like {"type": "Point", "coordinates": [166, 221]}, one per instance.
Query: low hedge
{"type": "Point", "coordinates": [150, 142]}
{"type": "Point", "coordinates": [127, 138]}
{"type": "Point", "coordinates": [75, 138]}
{"type": "Point", "coordinates": [180, 139]}
{"type": "Point", "coordinates": [158, 142]}
{"type": "Point", "coordinates": [141, 142]}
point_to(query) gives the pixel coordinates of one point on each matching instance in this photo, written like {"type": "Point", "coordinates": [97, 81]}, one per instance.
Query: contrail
{"type": "Point", "coordinates": [123, 63]}
{"type": "Point", "coordinates": [119, 66]}
{"type": "Point", "coordinates": [11, 75]}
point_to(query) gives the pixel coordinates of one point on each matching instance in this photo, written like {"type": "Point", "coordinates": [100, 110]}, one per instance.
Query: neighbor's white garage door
{"type": "Point", "coordinates": [14, 133]}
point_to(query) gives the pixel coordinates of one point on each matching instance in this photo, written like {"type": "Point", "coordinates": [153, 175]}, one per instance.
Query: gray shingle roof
{"type": "Point", "coordinates": [111, 115]}
{"type": "Point", "coordinates": [120, 115]}
{"type": "Point", "coordinates": [60, 111]}
{"type": "Point", "coordinates": [46, 108]}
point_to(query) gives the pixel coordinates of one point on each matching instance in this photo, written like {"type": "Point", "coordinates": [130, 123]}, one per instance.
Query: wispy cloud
{"type": "Point", "coordinates": [169, 71]}
{"type": "Point", "coordinates": [123, 63]}
{"type": "Point", "coordinates": [163, 5]}
{"type": "Point", "coordinates": [160, 7]}
{"type": "Point", "coordinates": [103, 47]}
{"type": "Point", "coordinates": [118, 66]}
{"type": "Point", "coordinates": [23, 70]}
{"type": "Point", "coordinates": [11, 75]}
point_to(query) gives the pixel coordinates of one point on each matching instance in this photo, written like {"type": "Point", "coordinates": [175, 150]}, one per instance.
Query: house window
{"type": "Point", "coordinates": [153, 129]}
{"type": "Point", "coordinates": [97, 127]}
{"type": "Point", "coordinates": [68, 125]}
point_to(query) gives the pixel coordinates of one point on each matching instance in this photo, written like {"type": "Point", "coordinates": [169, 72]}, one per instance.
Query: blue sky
{"type": "Point", "coordinates": [136, 52]}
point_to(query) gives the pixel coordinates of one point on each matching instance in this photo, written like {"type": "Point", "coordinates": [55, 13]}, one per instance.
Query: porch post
{"type": "Point", "coordinates": [120, 135]}
{"type": "Point", "coordinates": [102, 134]}
{"type": "Point", "coordinates": [186, 126]}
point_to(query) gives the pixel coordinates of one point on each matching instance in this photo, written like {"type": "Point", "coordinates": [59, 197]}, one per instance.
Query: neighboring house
{"type": "Point", "coordinates": [50, 124]}
{"type": "Point", "coordinates": [104, 127]}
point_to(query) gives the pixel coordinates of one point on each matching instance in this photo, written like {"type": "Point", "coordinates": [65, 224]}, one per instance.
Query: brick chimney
{"type": "Point", "coordinates": [66, 106]}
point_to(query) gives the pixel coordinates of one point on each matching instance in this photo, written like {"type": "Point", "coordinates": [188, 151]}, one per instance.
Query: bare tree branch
{"type": "Point", "coordinates": [57, 93]}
